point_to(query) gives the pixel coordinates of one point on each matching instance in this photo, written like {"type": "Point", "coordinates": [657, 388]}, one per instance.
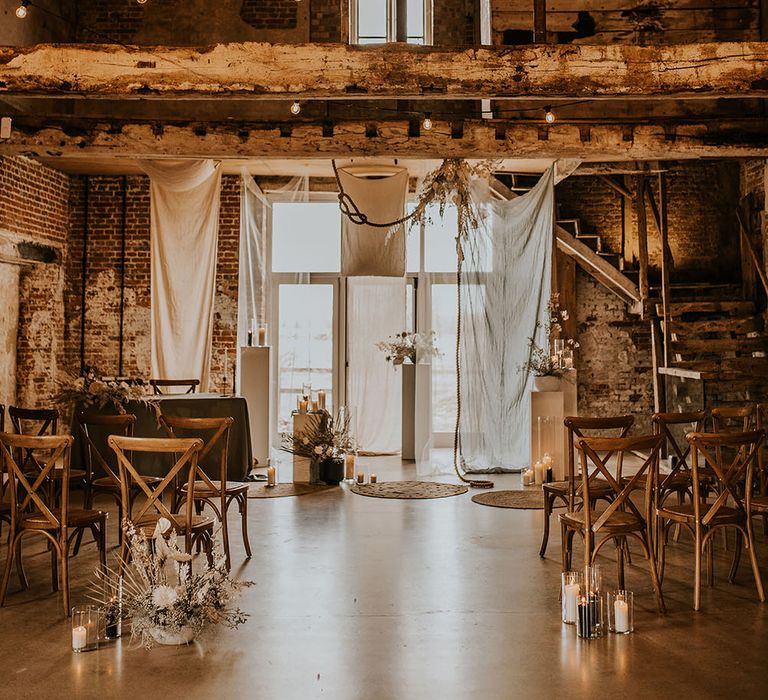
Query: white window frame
{"type": "Point", "coordinates": [391, 33]}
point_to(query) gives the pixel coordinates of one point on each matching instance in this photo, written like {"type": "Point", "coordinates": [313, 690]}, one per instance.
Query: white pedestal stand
{"type": "Point", "coordinates": [255, 386]}
{"type": "Point", "coordinates": [557, 405]}
{"type": "Point", "coordinates": [417, 409]}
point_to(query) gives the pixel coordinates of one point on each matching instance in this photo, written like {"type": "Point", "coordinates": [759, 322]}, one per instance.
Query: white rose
{"type": "Point", "coordinates": [164, 597]}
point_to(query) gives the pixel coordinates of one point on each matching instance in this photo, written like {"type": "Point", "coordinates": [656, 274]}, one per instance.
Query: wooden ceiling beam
{"type": "Point", "coordinates": [332, 71]}
{"type": "Point", "coordinates": [479, 140]}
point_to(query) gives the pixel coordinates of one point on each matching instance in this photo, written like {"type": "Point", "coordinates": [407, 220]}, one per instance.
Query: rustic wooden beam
{"type": "Point", "coordinates": [750, 248]}
{"type": "Point", "coordinates": [666, 261]}
{"type": "Point", "coordinates": [623, 191]}
{"type": "Point", "coordinates": [480, 140]}
{"type": "Point", "coordinates": [335, 71]}
{"type": "Point", "coordinates": [642, 241]}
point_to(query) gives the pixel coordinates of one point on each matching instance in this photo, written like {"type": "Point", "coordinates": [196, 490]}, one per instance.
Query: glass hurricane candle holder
{"type": "Point", "coordinates": [570, 590]}
{"type": "Point", "coordinates": [620, 606]}
{"type": "Point", "coordinates": [589, 616]}
{"type": "Point", "coordinates": [85, 628]}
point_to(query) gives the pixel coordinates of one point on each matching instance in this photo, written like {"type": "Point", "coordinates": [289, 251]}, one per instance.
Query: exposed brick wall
{"type": "Point", "coordinates": [614, 364]}
{"type": "Point", "coordinates": [454, 23]}
{"type": "Point", "coordinates": [33, 209]}
{"type": "Point", "coordinates": [324, 21]}
{"type": "Point", "coordinates": [753, 184]}
{"type": "Point", "coordinates": [269, 14]}
{"type": "Point", "coordinates": [103, 276]}
{"type": "Point", "coordinates": [110, 20]}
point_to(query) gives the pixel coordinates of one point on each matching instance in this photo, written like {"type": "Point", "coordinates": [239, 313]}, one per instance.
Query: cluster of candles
{"type": "Point", "coordinates": [585, 606]}
{"type": "Point", "coordinates": [562, 354]}
{"type": "Point", "coordinates": [541, 473]}
{"type": "Point", "coordinates": [350, 461]}
{"type": "Point", "coordinates": [85, 628]}
{"type": "Point", "coordinates": [312, 405]}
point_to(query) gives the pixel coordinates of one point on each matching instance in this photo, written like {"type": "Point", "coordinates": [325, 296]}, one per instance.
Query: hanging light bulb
{"type": "Point", "coordinates": [427, 123]}
{"type": "Point", "coordinates": [21, 10]}
{"type": "Point", "coordinates": [142, 2]}
{"type": "Point", "coordinates": [549, 115]}
{"type": "Point", "coordinates": [295, 107]}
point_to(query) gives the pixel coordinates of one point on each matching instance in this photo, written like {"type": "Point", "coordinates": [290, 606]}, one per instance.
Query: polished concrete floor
{"type": "Point", "coordinates": [369, 598]}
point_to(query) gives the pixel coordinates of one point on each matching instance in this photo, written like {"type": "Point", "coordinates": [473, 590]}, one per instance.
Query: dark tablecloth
{"type": "Point", "coordinates": [239, 458]}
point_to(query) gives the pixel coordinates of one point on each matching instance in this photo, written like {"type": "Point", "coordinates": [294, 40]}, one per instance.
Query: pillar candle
{"type": "Point", "coordinates": [538, 473]}
{"type": "Point", "coordinates": [314, 406]}
{"type": "Point", "coordinates": [79, 637]}
{"type": "Point", "coordinates": [262, 335]}
{"type": "Point", "coordinates": [303, 406]}
{"type": "Point", "coordinates": [360, 478]}
{"type": "Point", "coordinates": [349, 466]}
{"type": "Point", "coordinates": [621, 616]}
{"type": "Point", "coordinates": [321, 399]}
{"type": "Point", "coordinates": [271, 474]}
{"type": "Point", "coordinates": [571, 594]}
{"type": "Point", "coordinates": [373, 478]}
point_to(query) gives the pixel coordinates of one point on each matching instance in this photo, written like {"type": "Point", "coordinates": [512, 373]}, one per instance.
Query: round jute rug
{"type": "Point", "coordinates": [261, 490]}
{"type": "Point", "coordinates": [530, 499]}
{"type": "Point", "coordinates": [408, 489]}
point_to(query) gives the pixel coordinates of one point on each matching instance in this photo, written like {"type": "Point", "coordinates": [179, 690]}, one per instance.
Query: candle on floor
{"type": "Point", "coordinates": [321, 399]}
{"type": "Point", "coordinates": [79, 637]}
{"type": "Point", "coordinates": [303, 406]}
{"type": "Point", "coordinates": [360, 478]}
{"type": "Point", "coordinates": [373, 479]}
{"type": "Point", "coordinates": [315, 407]}
{"type": "Point", "coordinates": [621, 615]}
{"type": "Point", "coordinates": [262, 335]}
{"type": "Point", "coordinates": [271, 476]}
{"type": "Point", "coordinates": [349, 467]}
{"type": "Point", "coordinates": [538, 473]}
{"type": "Point", "coordinates": [571, 595]}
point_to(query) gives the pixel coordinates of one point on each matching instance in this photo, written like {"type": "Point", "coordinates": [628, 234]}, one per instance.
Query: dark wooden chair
{"type": "Point", "coordinates": [218, 494]}
{"type": "Point", "coordinates": [145, 510]}
{"type": "Point", "coordinates": [5, 506]}
{"type": "Point", "coordinates": [730, 507]}
{"type": "Point", "coordinates": [727, 419]}
{"type": "Point", "coordinates": [568, 491]}
{"type": "Point", "coordinates": [38, 422]}
{"type": "Point", "coordinates": [159, 384]}
{"type": "Point", "coordinates": [621, 518]}
{"type": "Point", "coordinates": [34, 512]}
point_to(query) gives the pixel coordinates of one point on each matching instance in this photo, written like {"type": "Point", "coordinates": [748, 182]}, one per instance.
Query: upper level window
{"type": "Point", "coordinates": [376, 21]}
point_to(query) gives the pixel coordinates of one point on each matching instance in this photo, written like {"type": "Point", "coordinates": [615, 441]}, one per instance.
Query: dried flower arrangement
{"type": "Point", "coordinates": [324, 438]}
{"type": "Point", "coordinates": [409, 346]}
{"type": "Point", "coordinates": [161, 595]}
{"type": "Point", "coordinates": [542, 362]}
{"type": "Point", "coordinates": [91, 390]}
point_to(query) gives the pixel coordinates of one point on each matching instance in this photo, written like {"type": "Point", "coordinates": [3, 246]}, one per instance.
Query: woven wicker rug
{"type": "Point", "coordinates": [529, 499]}
{"type": "Point", "coordinates": [290, 489]}
{"type": "Point", "coordinates": [408, 489]}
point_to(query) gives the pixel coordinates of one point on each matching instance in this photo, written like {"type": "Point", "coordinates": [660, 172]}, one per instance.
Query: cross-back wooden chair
{"type": "Point", "coordinates": [101, 476]}
{"type": "Point", "coordinates": [732, 502]}
{"type": "Point", "coordinates": [218, 494]}
{"type": "Point", "coordinates": [159, 384]}
{"type": "Point", "coordinates": [762, 424]}
{"type": "Point", "coordinates": [32, 510]}
{"type": "Point", "coordinates": [2, 417]}
{"type": "Point", "coordinates": [728, 419]}
{"type": "Point", "coordinates": [567, 491]}
{"type": "Point", "coordinates": [678, 480]}
{"type": "Point", "coordinates": [38, 422]}
{"type": "Point", "coordinates": [146, 508]}
{"type": "Point", "coordinates": [621, 518]}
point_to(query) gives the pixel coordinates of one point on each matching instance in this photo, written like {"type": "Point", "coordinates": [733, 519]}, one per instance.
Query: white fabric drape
{"type": "Point", "coordinates": [184, 231]}
{"type": "Point", "coordinates": [375, 310]}
{"type": "Point", "coordinates": [368, 250]}
{"type": "Point", "coordinates": [505, 290]}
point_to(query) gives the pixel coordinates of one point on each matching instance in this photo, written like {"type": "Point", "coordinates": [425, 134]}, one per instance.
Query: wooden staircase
{"type": "Point", "coordinates": [720, 338]}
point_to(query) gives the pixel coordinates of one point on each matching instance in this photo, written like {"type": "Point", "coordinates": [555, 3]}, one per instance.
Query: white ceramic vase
{"type": "Point", "coordinates": [170, 637]}
{"type": "Point", "coordinates": [546, 383]}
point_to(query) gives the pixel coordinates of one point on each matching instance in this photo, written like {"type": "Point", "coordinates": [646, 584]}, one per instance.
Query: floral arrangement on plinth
{"type": "Point", "coordinates": [91, 390]}
{"type": "Point", "coordinates": [324, 438]}
{"type": "Point", "coordinates": [546, 362]}
{"type": "Point", "coordinates": [408, 346]}
{"type": "Point", "coordinates": [161, 595]}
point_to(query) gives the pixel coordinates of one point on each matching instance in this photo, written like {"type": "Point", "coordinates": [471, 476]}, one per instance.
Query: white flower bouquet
{"type": "Point", "coordinates": [91, 390]}
{"type": "Point", "coordinates": [409, 346]}
{"type": "Point", "coordinates": [161, 595]}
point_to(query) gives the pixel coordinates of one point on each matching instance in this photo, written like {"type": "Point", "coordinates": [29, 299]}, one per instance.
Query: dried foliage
{"type": "Point", "coordinates": [541, 361]}
{"type": "Point", "coordinates": [324, 438]}
{"type": "Point", "coordinates": [92, 390]}
{"type": "Point", "coordinates": [409, 346]}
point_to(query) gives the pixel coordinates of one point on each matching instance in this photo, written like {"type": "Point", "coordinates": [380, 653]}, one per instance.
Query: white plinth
{"type": "Point", "coordinates": [255, 386]}
{"type": "Point", "coordinates": [417, 409]}
{"type": "Point", "coordinates": [556, 405]}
